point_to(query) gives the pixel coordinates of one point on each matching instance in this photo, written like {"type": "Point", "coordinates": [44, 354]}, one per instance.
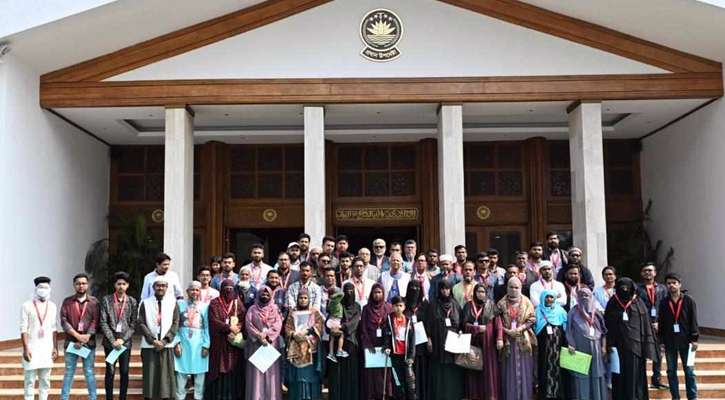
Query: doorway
{"type": "Point", "coordinates": [359, 237]}
{"type": "Point", "coordinates": [506, 239]}
{"type": "Point", "coordinates": [275, 240]}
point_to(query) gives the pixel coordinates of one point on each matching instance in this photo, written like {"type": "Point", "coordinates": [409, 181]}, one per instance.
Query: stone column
{"type": "Point", "coordinates": [588, 205]}
{"type": "Point", "coordinates": [450, 177]}
{"type": "Point", "coordinates": [179, 191]}
{"type": "Point", "coordinates": [315, 204]}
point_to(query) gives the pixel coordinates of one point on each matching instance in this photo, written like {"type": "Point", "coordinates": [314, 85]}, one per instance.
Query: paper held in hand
{"type": "Point", "coordinates": [458, 344]}
{"type": "Point", "coordinates": [420, 335]}
{"type": "Point", "coordinates": [578, 362]}
{"type": "Point", "coordinates": [114, 354]}
{"type": "Point", "coordinates": [83, 352]}
{"type": "Point", "coordinates": [377, 359]}
{"type": "Point", "coordinates": [264, 357]}
{"type": "Point", "coordinates": [301, 321]}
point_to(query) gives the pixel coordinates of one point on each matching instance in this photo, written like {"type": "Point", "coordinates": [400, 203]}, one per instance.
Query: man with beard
{"type": "Point", "coordinates": [228, 264]}
{"type": "Point", "coordinates": [324, 261]}
{"type": "Point", "coordinates": [652, 293]}
{"type": "Point", "coordinates": [371, 272]}
{"type": "Point", "coordinates": [279, 297]}
{"type": "Point", "coordinates": [461, 253]}
{"type": "Point", "coordinates": [257, 268]}
{"type": "Point", "coordinates": [526, 276]}
{"type": "Point", "coordinates": [293, 251]}
{"type": "Point", "coordinates": [395, 281]}
{"type": "Point", "coordinates": [547, 282]}
{"type": "Point", "coordinates": [306, 283]}
{"type": "Point", "coordinates": [447, 274]}
{"type": "Point", "coordinates": [585, 274]}
{"type": "Point", "coordinates": [536, 251]}
{"type": "Point", "coordinates": [304, 242]}
{"type": "Point", "coordinates": [463, 290]}
{"type": "Point", "coordinates": [362, 284]}
{"type": "Point", "coordinates": [559, 258]}
{"type": "Point", "coordinates": [328, 249]}
{"type": "Point", "coordinates": [344, 271]}
{"type": "Point", "coordinates": [433, 267]}
{"type": "Point", "coordinates": [409, 251]}
{"type": "Point", "coordinates": [494, 267]}
{"type": "Point", "coordinates": [485, 276]}
{"type": "Point", "coordinates": [572, 284]}
{"type": "Point", "coordinates": [341, 245]}
{"type": "Point", "coordinates": [287, 276]}
{"type": "Point", "coordinates": [163, 268]}
{"type": "Point", "coordinates": [192, 343]}
{"type": "Point", "coordinates": [380, 260]}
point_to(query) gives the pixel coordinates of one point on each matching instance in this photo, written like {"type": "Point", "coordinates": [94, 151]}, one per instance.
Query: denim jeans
{"type": "Point", "coordinates": [71, 361]}
{"type": "Point", "coordinates": [690, 383]}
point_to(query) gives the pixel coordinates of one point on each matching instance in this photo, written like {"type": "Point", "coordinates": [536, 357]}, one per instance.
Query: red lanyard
{"type": "Point", "coordinates": [486, 280]}
{"type": "Point", "coordinates": [606, 292]}
{"type": "Point", "coordinates": [590, 320]}
{"type": "Point", "coordinates": [119, 313]}
{"type": "Point", "coordinates": [399, 323]}
{"type": "Point", "coordinates": [679, 308]}
{"type": "Point", "coordinates": [361, 291]}
{"type": "Point", "coordinates": [45, 314]}
{"type": "Point", "coordinates": [259, 275]}
{"type": "Point", "coordinates": [572, 293]}
{"type": "Point", "coordinates": [264, 318]}
{"type": "Point", "coordinates": [229, 309]}
{"type": "Point", "coordinates": [343, 279]}
{"type": "Point", "coordinates": [420, 277]}
{"type": "Point", "coordinates": [379, 322]}
{"type": "Point", "coordinates": [616, 296]}
{"type": "Point", "coordinates": [192, 314]}
{"type": "Point", "coordinates": [476, 311]}
{"type": "Point", "coordinates": [467, 293]}
{"type": "Point", "coordinates": [514, 312]}
{"type": "Point", "coordinates": [543, 284]}
{"type": "Point", "coordinates": [158, 314]}
{"type": "Point", "coordinates": [81, 313]}
{"type": "Point", "coordinates": [286, 281]}
{"type": "Point", "coordinates": [651, 294]}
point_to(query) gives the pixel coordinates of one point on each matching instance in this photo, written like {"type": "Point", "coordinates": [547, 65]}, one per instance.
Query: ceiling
{"type": "Point", "coordinates": [375, 122]}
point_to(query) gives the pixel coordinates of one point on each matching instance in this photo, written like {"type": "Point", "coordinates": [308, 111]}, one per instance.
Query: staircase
{"type": "Point", "coordinates": [709, 369]}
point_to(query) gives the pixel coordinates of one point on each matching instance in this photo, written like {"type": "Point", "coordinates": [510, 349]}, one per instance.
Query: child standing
{"type": "Point", "coordinates": [400, 345]}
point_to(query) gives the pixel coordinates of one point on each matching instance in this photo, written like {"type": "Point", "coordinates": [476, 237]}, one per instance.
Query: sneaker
{"type": "Point", "coordinates": [331, 357]}
{"type": "Point", "coordinates": [342, 353]}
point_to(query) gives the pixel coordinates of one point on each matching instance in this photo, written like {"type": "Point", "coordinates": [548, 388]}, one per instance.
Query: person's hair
{"type": "Point", "coordinates": [609, 267]}
{"type": "Point", "coordinates": [78, 276]}
{"type": "Point", "coordinates": [550, 234]}
{"type": "Point", "coordinates": [281, 253]}
{"type": "Point", "coordinates": [203, 268]}
{"type": "Point", "coordinates": [481, 254]}
{"type": "Point", "coordinates": [230, 255]}
{"type": "Point", "coordinates": [469, 262]}
{"type": "Point", "coordinates": [508, 267]}
{"type": "Point", "coordinates": [272, 271]}
{"type": "Point", "coordinates": [432, 251]}
{"type": "Point", "coordinates": [460, 246]}
{"type": "Point", "coordinates": [521, 253]}
{"type": "Point", "coordinates": [345, 254]}
{"type": "Point", "coordinates": [648, 264]}
{"type": "Point", "coordinates": [356, 259]}
{"type": "Point", "coordinates": [340, 238]}
{"type": "Point", "coordinates": [120, 275]}
{"type": "Point", "coordinates": [393, 244]}
{"type": "Point", "coordinates": [328, 238]}
{"type": "Point", "coordinates": [306, 264]}
{"type": "Point", "coordinates": [304, 236]}
{"type": "Point", "coordinates": [396, 300]}
{"type": "Point", "coordinates": [215, 260]}
{"type": "Point", "coordinates": [492, 252]}
{"type": "Point", "coordinates": [536, 244]}
{"type": "Point", "coordinates": [161, 257]}
{"type": "Point", "coordinates": [256, 246]}
{"type": "Point", "coordinates": [410, 241]}
{"type": "Point", "coordinates": [327, 269]}
{"type": "Point", "coordinates": [673, 275]}
{"type": "Point", "coordinates": [421, 254]}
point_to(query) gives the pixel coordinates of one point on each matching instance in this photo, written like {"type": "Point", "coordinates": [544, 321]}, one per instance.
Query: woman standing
{"type": "Point", "coordinates": [263, 325]}
{"type": "Point", "coordinates": [479, 318]}
{"type": "Point", "coordinates": [629, 331]}
{"type": "Point", "coordinates": [373, 321]}
{"type": "Point", "coordinates": [446, 378]}
{"type": "Point", "coordinates": [516, 340]}
{"type": "Point", "coordinates": [344, 375]}
{"type": "Point", "coordinates": [225, 379]}
{"type": "Point", "coordinates": [586, 333]}
{"type": "Point", "coordinates": [415, 309]}
{"type": "Point", "coordinates": [550, 335]}
{"type": "Point", "coordinates": [304, 352]}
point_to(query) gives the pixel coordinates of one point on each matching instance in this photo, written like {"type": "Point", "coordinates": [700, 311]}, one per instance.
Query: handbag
{"type": "Point", "coordinates": [471, 360]}
{"type": "Point", "coordinates": [238, 340]}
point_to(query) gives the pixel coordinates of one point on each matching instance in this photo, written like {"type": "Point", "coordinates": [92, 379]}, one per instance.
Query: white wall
{"type": "Point", "coordinates": [17, 16]}
{"type": "Point", "coordinates": [54, 190]}
{"type": "Point", "coordinates": [682, 172]}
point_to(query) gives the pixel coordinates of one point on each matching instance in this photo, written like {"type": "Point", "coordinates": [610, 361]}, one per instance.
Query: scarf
{"type": "Point", "coordinates": [373, 317]}
{"type": "Point", "coordinates": [350, 308]}
{"type": "Point", "coordinates": [414, 295]}
{"type": "Point", "coordinates": [446, 302]}
{"type": "Point", "coordinates": [553, 315]}
{"type": "Point", "coordinates": [489, 313]}
{"type": "Point", "coordinates": [226, 295]}
{"type": "Point", "coordinates": [516, 307]}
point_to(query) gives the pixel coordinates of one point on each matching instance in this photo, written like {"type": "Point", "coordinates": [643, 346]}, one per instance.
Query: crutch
{"type": "Point", "coordinates": [385, 375]}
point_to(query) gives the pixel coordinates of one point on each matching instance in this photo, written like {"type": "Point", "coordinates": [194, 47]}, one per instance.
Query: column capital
{"type": "Point", "coordinates": [577, 103]}
{"type": "Point", "coordinates": [184, 106]}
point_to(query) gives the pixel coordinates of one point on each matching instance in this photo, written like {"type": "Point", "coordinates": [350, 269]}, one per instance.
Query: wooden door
{"type": "Point", "coordinates": [506, 239]}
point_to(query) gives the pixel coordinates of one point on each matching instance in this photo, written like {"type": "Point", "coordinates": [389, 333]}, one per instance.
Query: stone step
{"type": "Point", "coordinates": [15, 357]}
{"type": "Point", "coordinates": [714, 376]}
{"type": "Point", "coordinates": [75, 394]}
{"type": "Point", "coordinates": [705, 391]}
{"type": "Point", "coordinates": [16, 381]}
{"type": "Point", "coordinates": [100, 369]}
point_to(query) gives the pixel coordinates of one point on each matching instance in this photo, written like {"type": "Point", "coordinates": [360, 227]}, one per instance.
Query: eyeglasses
{"type": "Point", "coordinates": [379, 247]}
{"type": "Point", "coordinates": [483, 260]}
{"type": "Point", "coordinates": [325, 261]}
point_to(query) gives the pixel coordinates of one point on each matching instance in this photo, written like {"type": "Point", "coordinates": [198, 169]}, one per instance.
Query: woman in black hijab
{"type": "Point", "coordinates": [479, 317]}
{"type": "Point", "coordinates": [415, 309]}
{"type": "Point", "coordinates": [344, 374]}
{"type": "Point", "coordinates": [630, 332]}
{"type": "Point", "coordinates": [444, 315]}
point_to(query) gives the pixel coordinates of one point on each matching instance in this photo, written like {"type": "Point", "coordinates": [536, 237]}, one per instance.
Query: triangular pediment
{"type": "Point", "coordinates": [439, 40]}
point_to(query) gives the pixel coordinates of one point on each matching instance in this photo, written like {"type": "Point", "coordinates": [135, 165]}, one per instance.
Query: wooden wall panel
{"type": "Point", "coordinates": [428, 161]}
{"type": "Point", "coordinates": [252, 217]}
{"type": "Point", "coordinates": [536, 174]}
{"type": "Point", "coordinates": [508, 213]}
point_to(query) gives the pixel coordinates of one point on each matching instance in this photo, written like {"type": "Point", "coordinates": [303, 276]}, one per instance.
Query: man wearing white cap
{"type": "Point", "coordinates": [192, 343]}
{"type": "Point", "coordinates": [293, 251]}
{"type": "Point", "coordinates": [446, 262]}
{"type": "Point", "coordinates": [547, 281]}
{"type": "Point", "coordinates": [39, 337]}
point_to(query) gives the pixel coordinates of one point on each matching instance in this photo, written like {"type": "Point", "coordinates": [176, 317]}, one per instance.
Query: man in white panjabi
{"type": "Point", "coordinates": [38, 333]}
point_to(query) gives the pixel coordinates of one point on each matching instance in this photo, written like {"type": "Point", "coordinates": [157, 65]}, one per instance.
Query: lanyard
{"type": "Point", "coordinates": [259, 275]}
{"type": "Point", "coordinates": [158, 314]}
{"type": "Point", "coordinates": [616, 296]}
{"type": "Point", "coordinates": [543, 284]}
{"type": "Point", "coordinates": [679, 308]}
{"type": "Point", "coordinates": [264, 318]}
{"type": "Point", "coordinates": [448, 313]}
{"type": "Point", "coordinates": [286, 281]}
{"type": "Point", "coordinates": [229, 309]}
{"type": "Point", "coordinates": [651, 294]}
{"type": "Point", "coordinates": [555, 257]}
{"type": "Point", "coordinates": [572, 293]}
{"type": "Point", "coordinates": [344, 278]}
{"type": "Point", "coordinates": [192, 314]}
{"type": "Point", "coordinates": [606, 292]}
{"type": "Point", "coordinates": [476, 311]}
{"type": "Point", "coordinates": [514, 312]}
{"type": "Point", "coordinates": [399, 323]}
{"type": "Point", "coordinates": [81, 313]}
{"type": "Point", "coordinates": [486, 280]}
{"type": "Point", "coordinates": [119, 313]}
{"type": "Point", "coordinates": [468, 292]}
{"type": "Point", "coordinates": [379, 322]}
{"type": "Point", "coordinates": [360, 291]}
{"type": "Point", "coordinates": [45, 314]}
{"type": "Point", "coordinates": [546, 318]}
{"type": "Point", "coordinates": [590, 320]}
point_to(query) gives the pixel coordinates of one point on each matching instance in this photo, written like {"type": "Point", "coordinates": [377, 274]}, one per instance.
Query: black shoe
{"type": "Point", "coordinates": [659, 386]}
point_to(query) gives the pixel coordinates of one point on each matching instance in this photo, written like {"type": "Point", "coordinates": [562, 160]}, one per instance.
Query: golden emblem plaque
{"type": "Point", "coordinates": [269, 215]}
{"type": "Point", "coordinates": [483, 212]}
{"type": "Point", "coordinates": [381, 31]}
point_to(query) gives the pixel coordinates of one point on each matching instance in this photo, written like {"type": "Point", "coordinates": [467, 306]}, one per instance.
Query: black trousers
{"type": "Point", "coordinates": [403, 388]}
{"type": "Point", "coordinates": [123, 362]}
{"type": "Point", "coordinates": [657, 361]}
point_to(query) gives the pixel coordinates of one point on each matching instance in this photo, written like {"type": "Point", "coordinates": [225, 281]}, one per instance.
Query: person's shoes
{"type": "Point", "coordinates": [659, 386]}
{"type": "Point", "coordinates": [331, 357]}
{"type": "Point", "coordinates": [342, 353]}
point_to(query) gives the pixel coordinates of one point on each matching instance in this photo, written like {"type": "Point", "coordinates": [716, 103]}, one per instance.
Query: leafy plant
{"type": "Point", "coordinates": [96, 266]}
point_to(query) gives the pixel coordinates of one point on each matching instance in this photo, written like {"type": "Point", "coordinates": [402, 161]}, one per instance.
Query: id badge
{"type": "Point", "coordinates": [227, 321]}
{"type": "Point", "coordinates": [191, 333]}
{"type": "Point", "coordinates": [448, 322]}
{"type": "Point", "coordinates": [591, 331]}
{"type": "Point", "coordinates": [41, 334]}
{"type": "Point", "coordinates": [676, 327]}
{"type": "Point", "coordinates": [549, 330]}
{"type": "Point", "coordinates": [514, 325]}
{"type": "Point", "coordinates": [653, 312]}
{"type": "Point", "coordinates": [158, 330]}
{"type": "Point", "coordinates": [119, 328]}
{"type": "Point", "coordinates": [475, 324]}
{"type": "Point", "coordinates": [415, 319]}
{"type": "Point", "coordinates": [80, 326]}
{"type": "Point", "coordinates": [379, 332]}
{"type": "Point", "coordinates": [625, 316]}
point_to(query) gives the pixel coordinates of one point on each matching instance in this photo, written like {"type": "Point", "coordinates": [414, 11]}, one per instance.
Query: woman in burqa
{"type": "Point", "coordinates": [344, 376]}
{"type": "Point", "coordinates": [630, 332]}
{"type": "Point", "coordinates": [443, 315]}
{"type": "Point", "coordinates": [225, 379]}
{"type": "Point", "coordinates": [517, 343]}
{"type": "Point", "coordinates": [550, 331]}
{"type": "Point", "coordinates": [374, 318]}
{"type": "Point", "coordinates": [263, 324]}
{"type": "Point", "coordinates": [586, 332]}
{"type": "Point", "coordinates": [415, 309]}
{"type": "Point", "coordinates": [479, 319]}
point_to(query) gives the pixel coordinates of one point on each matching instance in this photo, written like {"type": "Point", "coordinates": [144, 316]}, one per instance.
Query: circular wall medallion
{"type": "Point", "coordinates": [381, 31]}
{"type": "Point", "coordinates": [483, 212]}
{"type": "Point", "coordinates": [157, 216]}
{"type": "Point", "coordinates": [269, 215]}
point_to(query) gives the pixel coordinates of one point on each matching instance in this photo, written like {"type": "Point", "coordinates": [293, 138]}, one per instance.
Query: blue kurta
{"type": "Point", "coordinates": [191, 362]}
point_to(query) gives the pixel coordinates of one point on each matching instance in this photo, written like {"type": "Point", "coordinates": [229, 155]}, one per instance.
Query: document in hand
{"type": "Point", "coordinates": [420, 335]}
{"type": "Point", "coordinates": [301, 320]}
{"type": "Point", "coordinates": [377, 359]}
{"type": "Point", "coordinates": [114, 354]}
{"type": "Point", "coordinates": [83, 352]}
{"type": "Point", "coordinates": [264, 357]}
{"type": "Point", "coordinates": [578, 362]}
{"type": "Point", "coordinates": [458, 344]}
{"type": "Point", "coordinates": [690, 356]}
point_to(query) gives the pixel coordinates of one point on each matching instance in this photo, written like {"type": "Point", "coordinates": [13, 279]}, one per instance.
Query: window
{"type": "Point", "coordinates": [559, 169]}
{"type": "Point", "coordinates": [376, 170]}
{"type": "Point", "coordinates": [493, 169]}
{"type": "Point", "coordinates": [266, 172]}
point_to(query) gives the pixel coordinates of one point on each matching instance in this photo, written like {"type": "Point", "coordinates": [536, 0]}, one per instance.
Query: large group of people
{"type": "Point", "coordinates": [373, 325]}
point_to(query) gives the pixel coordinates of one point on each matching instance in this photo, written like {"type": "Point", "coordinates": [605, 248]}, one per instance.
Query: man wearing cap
{"type": "Point", "coordinates": [192, 343]}
{"type": "Point", "coordinates": [546, 282]}
{"type": "Point", "coordinates": [446, 264]}
{"type": "Point", "coordinates": [293, 250]}
{"type": "Point", "coordinates": [585, 274]}
{"type": "Point", "coordinates": [39, 337]}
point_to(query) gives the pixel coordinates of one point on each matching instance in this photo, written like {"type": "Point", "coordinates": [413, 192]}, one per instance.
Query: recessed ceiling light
{"type": "Point", "coordinates": [378, 113]}
{"type": "Point", "coordinates": [609, 109]}
{"type": "Point", "coordinates": [151, 115]}
{"type": "Point", "coordinates": [105, 129]}
{"type": "Point", "coordinates": [226, 115]}
{"type": "Point", "coordinates": [531, 110]}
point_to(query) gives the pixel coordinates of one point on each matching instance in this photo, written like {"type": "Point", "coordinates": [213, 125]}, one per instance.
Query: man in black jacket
{"type": "Point", "coordinates": [585, 274]}
{"type": "Point", "coordinates": [678, 331]}
{"type": "Point", "coordinates": [652, 294]}
{"type": "Point", "coordinates": [558, 257]}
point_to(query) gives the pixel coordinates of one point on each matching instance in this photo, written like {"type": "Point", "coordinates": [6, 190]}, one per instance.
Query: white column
{"type": "Point", "coordinates": [179, 192]}
{"type": "Point", "coordinates": [450, 177]}
{"type": "Point", "coordinates": [315, 205]}
{"type": "Point", "coordinates": [589, 220]}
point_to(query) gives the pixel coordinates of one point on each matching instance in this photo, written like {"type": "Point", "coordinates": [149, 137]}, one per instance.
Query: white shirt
{"type": "Point", "coordinates": [208, 294]}
{"type": "Point", "coordinates": [42, 348]}
{"type": "Point", "coordinates": [362, 289]}
{"type": "Point", "coordinates": [258, 275]}
{"type": "Point", "coordinates": [537, 287]}
{"type": "Point", "coordinates": [174, 290]}
{"type": "Point", "coordinates": [387, 281]}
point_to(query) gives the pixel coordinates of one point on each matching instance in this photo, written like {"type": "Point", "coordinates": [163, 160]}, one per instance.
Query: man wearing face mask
{"type": "Point", "coordinates": [245, 290]}
{"type": "Point", "coordinates": [39, 337]}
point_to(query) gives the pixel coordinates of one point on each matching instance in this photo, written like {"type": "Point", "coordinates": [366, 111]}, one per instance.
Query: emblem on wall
{"type": "Point", "coordinates": [483, 212]}
{"type": "Point", "coordinates": [157, 216]}
{"type": "Point", "coordinates": [381, 31]}
{"type": "Point", "coordinates": [269, 215]}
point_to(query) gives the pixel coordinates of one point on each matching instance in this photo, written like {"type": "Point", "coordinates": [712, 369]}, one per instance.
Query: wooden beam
{"type": "Point", "coordinates": [598, 37]}
{"type": "Point", "coordinates": [181, 41]}
{"type": "Point", "coordinates": [382, 90]}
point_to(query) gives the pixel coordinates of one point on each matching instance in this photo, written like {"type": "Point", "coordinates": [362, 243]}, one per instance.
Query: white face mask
{"type": "Point", "coordinates": [42, 292]}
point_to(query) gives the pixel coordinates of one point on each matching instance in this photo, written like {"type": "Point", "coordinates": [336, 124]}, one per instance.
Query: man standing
{"type": "Point", "coordinates": [344, 269]}
{"type": "Point", "coordinates": [207, 293]}
{"type": "Point", "coordinates": [572, 284]}
{"type": "Point", "coordinates": [163, 268]}
{"type": "Point", "coordinates": [494, 267]}
{"type": "Point", "coordinates": [328, 249]}
{"type": "Point", "coordinates": [536, 251]}
{"type": "Point", "coordinates": [304, 241]}
{"type": "Point", "coordinates": [447, 274]}
{"type": "Point", "coordinates": [314, 253]}
{"type": "Point", "coordinates": [463, 291]}
{"type": "Point", "coordinates": [605, 292]}
{"type": "Point", "coordinates": [380, 260]}
{"type": "Point", "coordinates": [461, 253]}
{"type": "Point", "coordinates": [585, 274]}
{"type": "Point", "coordinates": [433, 267]}
{"type": "Point", "coordinates": [324, 261]}
{"type": "Point", "coordinates": [679, 331]}
{"type": "Point", "coordinates": [306, 283]}
{"type": "Point", "coordinates": [287, 276]}
{"type": "Point", "coordinates": [652, 294]}
{"type": "Point", "coordinates": [118, 324]}
{"type": "Point", "coordinates": [228, 264]}
{"type": "Point", "coordinates": [547, 282]}
{"type": "Point", "coordinates": [341, 245]}
{"type": "Point", "coordinates": [526, 275]}
{"type": "Point", "coordinates": [409, 252]}
{"type": "Point", "coordinates": [39, 337]}
{"type": "Point", "coordinates": [293, 251]}
{"type": "Point", "coordinates": [559, 258]}
{"type": "Point", "coordinates": [257, 268]}
{"type": "Point", "coordinates": [421, 274]}
{"type": "Point", "coordinates": [362, 283]}
{"type": "Point", "coordinates": [485, 276]}
{"type": "Point", "coordinates": [158, 322]}
{"type": "Point", "coordinates": [328, 288]}
{"type": "Point", "coordinates": [192, 343]}
{"type": "Point", "coordinates": [395, 281]}
{"type": "Point", "coordinates": [371, 272]}
{"type": "Point", "coordinates": [79, 315]}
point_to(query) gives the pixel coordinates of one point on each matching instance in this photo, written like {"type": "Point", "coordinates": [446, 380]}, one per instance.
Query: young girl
{"type": "Point", "coordinates": [400, 345]}
{"type": "Point", "coordinates": [334, 319]}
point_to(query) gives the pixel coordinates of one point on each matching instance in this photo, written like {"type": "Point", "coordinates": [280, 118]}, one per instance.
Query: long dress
{"type": "Point", "coordinates": [193, 335]}
{"type": "Point", "coordinates": [225, 379]}
{"type": "Point", "coordinates": [421, 366]}
{"type": "Point", "coordinates": [551, 382]}
{"type": "Point", "coordinates": [446, 378]}
{"type": "Point", "coordinates": [594, 385]}
{"type": "Point", "coordinates": [305, 368]}
{"type": "Point", "coordinates": [517, 356]}
{"type": "Point", "coordinates": [486, 384]}
{"type": "Point", "coordinates": [344, 374]}
{"type": "Point", "coordinates": [263, 318]}
{"type": "Point", "coordinates": [374, 316]}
